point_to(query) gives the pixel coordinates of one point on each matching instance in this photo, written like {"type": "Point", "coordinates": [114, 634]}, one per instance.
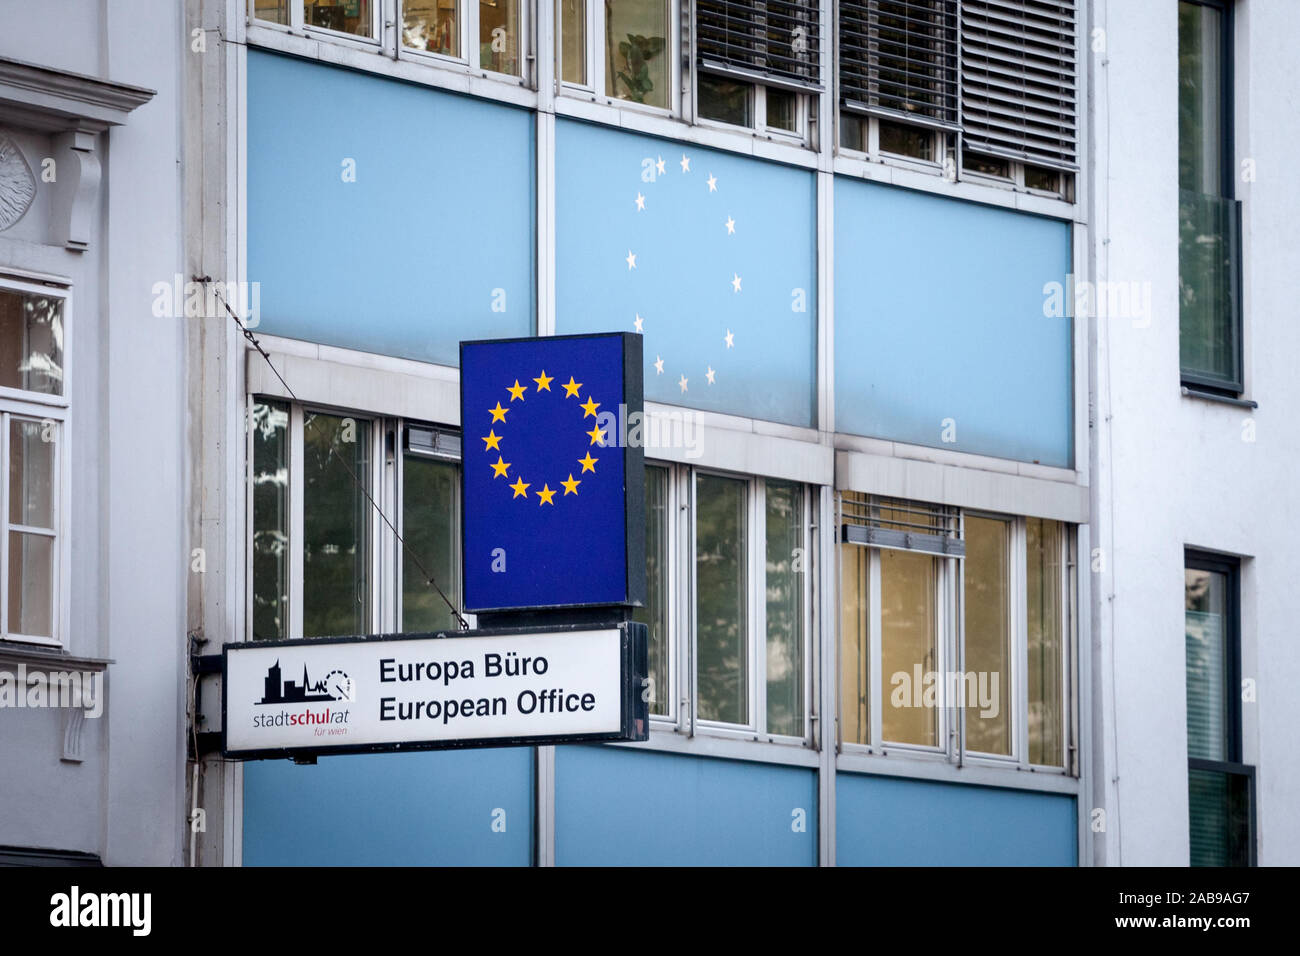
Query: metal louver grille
{"type": "Point", "coordinates": [764, 39]}
{"type": "Point", "coordinates": [1018, 80]}
{"type": "Point", "coordinates": [880, 522]}
{"type": "Point", "coordinates": [900, 57]}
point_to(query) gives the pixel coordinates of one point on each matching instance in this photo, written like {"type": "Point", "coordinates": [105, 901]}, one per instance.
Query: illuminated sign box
{"type": "Point", "coordinates": [553, 502]}
{"type": "Point", "coordinates": [427, 692]}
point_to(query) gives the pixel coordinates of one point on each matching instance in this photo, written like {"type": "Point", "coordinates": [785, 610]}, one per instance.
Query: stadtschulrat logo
{"type": "Point", "coordinates": [544, 470]}
{"type": "Point", "coordinates": [336, 685]}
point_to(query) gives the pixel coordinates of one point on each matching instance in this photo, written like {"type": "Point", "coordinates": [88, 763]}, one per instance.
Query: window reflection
{"type": "Point", "coordinates": [498, 36]}
{"type": "Point", "coordinates": [432, 26]}
{"type": "Point", "coordinates": [345, 16]}
{"type": "Point", "coordinates": [31, 342]}
{"type": "Point", "coordinates": [636, 61]}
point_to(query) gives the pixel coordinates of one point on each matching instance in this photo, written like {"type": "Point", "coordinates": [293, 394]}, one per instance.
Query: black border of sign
{"type": "Point", "coordinates": [633, 398]}
{"type": "Point", "coordinates": [634, 711]}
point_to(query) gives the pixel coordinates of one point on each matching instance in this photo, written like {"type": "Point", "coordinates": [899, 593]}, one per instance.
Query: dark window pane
{"type": "Point", "coordinates": [1200, 98]}
{"type": "Point", "coordinates": [31, 342]}
{"type": "Point", "coordinates": [853, 133]}
{"type": "Point", "coordinates": [786, 566]}
{"type": "Point", "coordinates": [782, 110]}
{"type": "Point", "coordinates": [1209, 244]}
{"type": "Point", "coordinates": [721, 623]}
{"type": "Point", "coordinates": [1219, 810]}
{"type": "Point", "coordinates": [431, 529]}
{"type": "Point", "coordinates": [1048, 180]}
{"type": "Point", "coordinates": [636, 53]}
{"type": "Point", "coordinates": [724, 100]}
{"type": "Point", "coordinates": [986, 165]}
{"type": "Point", "coordinates": [345, 16]}
{"type": "Point", "coordinates": [270, 425]}
{"type": "Point", "coordinates": [904, 140]}
{"type": "Point", "coordinates": [336, 526]}
{"type": "Point", "coordinates": [655, 614]}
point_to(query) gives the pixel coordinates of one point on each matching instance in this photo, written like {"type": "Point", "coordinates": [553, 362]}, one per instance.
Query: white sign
{"type": "Point", "coordinates": [371, 693]}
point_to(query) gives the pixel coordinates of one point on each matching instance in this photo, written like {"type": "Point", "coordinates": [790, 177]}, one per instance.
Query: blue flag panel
{"type": "Point", "coordinates": [546, 471]}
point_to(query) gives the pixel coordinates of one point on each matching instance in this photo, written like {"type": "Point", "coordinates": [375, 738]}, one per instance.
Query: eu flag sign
{"type": "Point", "coordinates": [553, 503]}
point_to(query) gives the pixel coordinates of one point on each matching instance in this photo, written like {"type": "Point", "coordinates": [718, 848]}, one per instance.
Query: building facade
{"type": "Point", "coordinates": [944, 414]}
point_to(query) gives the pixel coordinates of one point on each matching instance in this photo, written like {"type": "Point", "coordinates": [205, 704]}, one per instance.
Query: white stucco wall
{"type": "Point", "coordinates": [1176, 471]}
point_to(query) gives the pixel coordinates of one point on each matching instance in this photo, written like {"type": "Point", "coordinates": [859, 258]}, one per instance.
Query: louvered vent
{"type": "Point", "coordinates": [880, 522]}
{"type": "Point", "coordinates": [899, 57]}
{"type": "Point", "coordinates": [767, 40]}
{"type": "Point", "coordinates": [1017, 71]}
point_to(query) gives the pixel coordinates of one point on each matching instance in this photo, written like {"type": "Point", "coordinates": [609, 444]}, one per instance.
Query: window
{"type": "Point", "coordinates": [33, 417]}
{"type": "Point", "coordinates": [633, 61]}
{"type": "Point", "coordinates": [758, 60]}
{"type": "Point", "coordinates": [953, 632]}
{"type": "Point", "coordinates": [1209, 219]}
{"type": "Point", "coordinates": [898, 75]}
{"type": "Point", "coordinates": [355, 18]}
{"type": "Point", "coordinates": [1221, 788]}
{"type": "Point", "coordinates": [743, 553]}
{"type": "Point", "coordinates": [324, 563]}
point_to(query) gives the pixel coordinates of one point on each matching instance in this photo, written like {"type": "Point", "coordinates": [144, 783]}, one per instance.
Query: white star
{"type": "Point", "coordinates": [731, 226]}
{"type": "Point", "coordinates": [735, 282]}
{"type": "Point", "coordinates": [659, 364]}
{"type": "Point", "coordinates": [660, 165]}
{"type": "Point", "coordinates": [709, 374]}
{"type": "Point", "coordinates": [682, 383]}
{"type": "Point", "coordinates": [640, 202]}
{"type": "Point", "coordinates": [638, 322]}
{"type": "Point", "coordinates": [713, 183]}
{"type": "Point", "coordinates": [686, 164]}
{"type": "Point", "coordinates": [631, 259]}
{"type": "Point", "coordinates": [729, 338]}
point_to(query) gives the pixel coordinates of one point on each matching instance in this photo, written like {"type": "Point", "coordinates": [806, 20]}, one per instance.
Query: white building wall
{"type": "Point", "coordinates": [1180, 471]}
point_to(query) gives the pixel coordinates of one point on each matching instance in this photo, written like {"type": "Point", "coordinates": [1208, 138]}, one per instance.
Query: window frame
{"type": "Point", "coordinates": [1195, 559]}
{"type": "Point", "coordinates": [594, 89]}
{"type": "Point", "coordinates": [1227, 145]}
{"type": "Point", "coordinates": [951, 653]}
{"type": "Point", "coordinates": [58, 409]}
{"type": "Point", "coordinates": [384, 562]}
{"type": "Point", "coordinates": [469, 12]}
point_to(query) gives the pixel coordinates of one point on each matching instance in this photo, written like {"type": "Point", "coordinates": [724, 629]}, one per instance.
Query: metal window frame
{"type": "Point", "coordinates": [670, 694]}
{"type": "Point", "coordinates": [36, 406]}
{"type": "Point", "coordinates": [1196, 559]}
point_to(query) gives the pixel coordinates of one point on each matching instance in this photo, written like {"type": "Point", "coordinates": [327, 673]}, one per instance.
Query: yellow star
{"type": "Point", "coordinates": [498, 413]}
{"type": "Point", "coordinates": [589, 408]}
{"type": "Point", "coordinates": [571, 389]}
{"type": "Point", "coordinates": [597, 436]}
{"type": "Point", "coordinates": [546, 494]}
{"type": "Point", "coordinates": [588, 463]}
{"type": "Point", "coordinates": [500, 467]}
{"type": "Point", "coordinates": [571, 486]}
{"type": "Point", "coordinates": [492, 440]}
{"type": "Point", "coordinates": [516, 391]}
{"type": "Point", "coordinates": [521, 488]}
{"type": "Point", "coordinates": [544, 383]}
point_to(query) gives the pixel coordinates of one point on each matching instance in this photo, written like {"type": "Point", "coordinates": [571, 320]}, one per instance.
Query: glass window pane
{"type": "Point", "coordinates": [904, 140]}
{"type": "Point", "coordinates": [1043, 587]}
{"type": "Point", "coordinates": [31, 473]}
{"type": "Point", "coordinates": [1209, 251]}
{"type": "Point", "coordinates": [270, 424]}
{"type": "Point", "coordinates": [274, 11]}
{"type": "Point", "coordinates": [636, 53]}
{"type": "Point", "coordinates": [782, 110]}
{"type": "Point", "coordinates": [31, 342]}
{"type": "Point", "coordinates": [1200, 98]}
{"type": "Point", "coordinates": [31, 584]}
{"type": "Point", "coordinates": [498, 36]}
{"type": "Point", "coordinates": [855, 643]}
{"type": "Point", "coordinates": [431, 529]}
{"type": "Point", "coordinates": [853, 133]}
{"type": "Point", "coordinates": [345, 16]}
{"type": "Point", "coordinates": [909, 648]}
{"type": "Point", "coordinates": [432, 26]}
{"type": "Point", "coordinates": [987, 680]}
{"type": "Point", "coordinates": [655, 614]}
{"type": "Point", "coordinates": [724, 100]}
{"type": "Point", "coordinates": [336, 526]}
{"type": "Point", "coordinates": [721, 623]}
{"type": "Point", "coordinates": [573, 40]}
{"type": "Point", "coordinates": [986, 165]}
{"type": "Point", "coordinates": [1207, 664]}
{"type": "Point", "coordinates": [1219, 811]}
{"type": "Point", "coordinates": [786, 566]}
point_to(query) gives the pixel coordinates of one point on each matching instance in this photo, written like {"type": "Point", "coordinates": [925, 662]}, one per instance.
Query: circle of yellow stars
{"type": "Point", "coordinates": [492, 441]}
